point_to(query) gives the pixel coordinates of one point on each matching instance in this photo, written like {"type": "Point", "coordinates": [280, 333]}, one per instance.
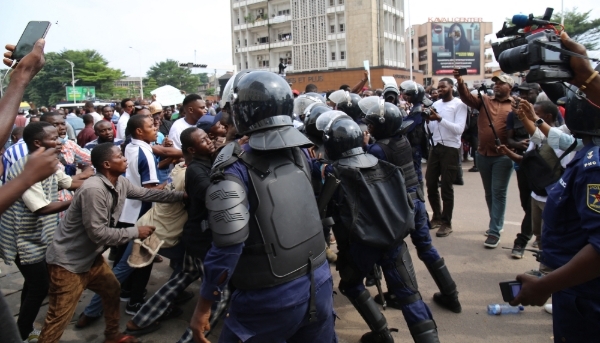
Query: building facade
{"type": "Point", "coordinates": [442, 44]}
{"type": "Point", "coordinates": [317, 35]}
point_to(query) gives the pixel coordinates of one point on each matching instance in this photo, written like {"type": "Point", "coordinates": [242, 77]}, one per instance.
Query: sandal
{"type": "Point", "coordinates": [143, 331]}
{"type": "Point", "coordinates": [123, 338]}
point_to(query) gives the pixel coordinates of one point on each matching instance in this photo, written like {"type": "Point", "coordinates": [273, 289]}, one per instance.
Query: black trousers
{"type": "Point", "coordinates": [137, 281]}
{"type": "Point", "coordinates": [525, 196]}
{"type": "Point", "coordinates": [443, 161]}
{"type": "Point", "coordinates": [35, 289]}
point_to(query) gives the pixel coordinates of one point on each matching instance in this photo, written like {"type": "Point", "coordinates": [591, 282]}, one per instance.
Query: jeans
{"type": "Point", "coordinates": [525, 196]}
{"type": "Point", "coordinates": [122, 271]}
{"type": "Point", "coordinates": [443, 161]}
{"type": "Point", "coordinates": [35, 289]}
{"type": "Point", "coordinates": [495, 174]}
{"type": "Point", "coordinates": [66, 289]}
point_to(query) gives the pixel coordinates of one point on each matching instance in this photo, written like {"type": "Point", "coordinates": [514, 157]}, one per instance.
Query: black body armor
{"type": "Point", "coordinates": [399, 153]}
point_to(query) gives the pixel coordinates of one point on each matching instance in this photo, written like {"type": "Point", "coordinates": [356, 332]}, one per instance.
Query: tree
{"type": "Point", "coordinates": [49, 86]}
{"type": "Point", "coordinates": [150, 84]}
{"type": "Point", "coordinates": [210, 91]}
{"type": "Point", "coordinates": [169, 73]}
{"type": "Point", "coordinates": [577, 23]}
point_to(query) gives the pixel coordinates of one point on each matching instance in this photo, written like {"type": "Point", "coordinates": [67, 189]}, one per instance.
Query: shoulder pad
{"type": "Point", "coordinates": [359, 161]}
{"type": "Point", "coordinates": [228, 155]}
{"type": "Point", "coordinates": [591, 159]}
{"type": "Point", "coordinates": [228, 213]}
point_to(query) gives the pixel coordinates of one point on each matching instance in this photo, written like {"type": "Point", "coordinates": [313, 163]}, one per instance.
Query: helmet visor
{"type": "Point", "coordinates": [340, 96]}
{"type": "Point", "coordinates": [326, 119]}
{"type": "Point", "coordinates": [367, 103]}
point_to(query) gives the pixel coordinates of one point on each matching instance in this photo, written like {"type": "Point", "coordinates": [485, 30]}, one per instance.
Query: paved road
{"type": "Point", "coordinates": [475, 269]}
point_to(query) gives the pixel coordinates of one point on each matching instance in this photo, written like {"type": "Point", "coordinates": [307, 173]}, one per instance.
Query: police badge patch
{"type": "Point", "coordinates": [593, 200]}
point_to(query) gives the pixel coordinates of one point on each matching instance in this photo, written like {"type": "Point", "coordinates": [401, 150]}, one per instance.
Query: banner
{"type": "Point", "coordinates": [455, 45]}
{"type": "Point", "coordinates": [83, 93]}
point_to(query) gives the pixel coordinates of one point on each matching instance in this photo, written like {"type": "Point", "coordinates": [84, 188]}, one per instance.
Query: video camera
{"type": "Point", "coordinates": [538, 50]}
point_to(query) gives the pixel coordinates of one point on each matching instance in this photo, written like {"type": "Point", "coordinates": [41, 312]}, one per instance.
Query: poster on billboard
{"type": "Point", "coordinates": [83, 93]}
{"type": "Point", "coordinates": [455, 45]}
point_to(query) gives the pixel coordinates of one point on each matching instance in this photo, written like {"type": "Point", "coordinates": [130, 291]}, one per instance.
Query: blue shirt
{"type": "Point", "coordinates": [417, 119]}
{"type": "Point", "coordinates": [572, 215]}
{"type": "Point", "coordinates": [221, 260]}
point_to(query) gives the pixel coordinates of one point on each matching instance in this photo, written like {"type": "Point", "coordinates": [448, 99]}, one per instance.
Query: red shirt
{"type": "Point", "coordinates": [85, 136]}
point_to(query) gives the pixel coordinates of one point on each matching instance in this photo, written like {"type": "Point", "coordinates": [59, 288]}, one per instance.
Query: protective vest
{"type": "Point", "coordinates": [418, 137]}
{"type": "Point", "coordinates": [372, 204]}
{"type": "Point", "coordinates": [285, 239]}
{"type": "Point", "coordinates": [399, 153]}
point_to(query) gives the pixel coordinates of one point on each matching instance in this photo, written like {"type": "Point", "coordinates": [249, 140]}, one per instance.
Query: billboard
{"type": "Point", "coordinates": [455, 45]}
{"type": "Point", "coordinates": [83, 93]}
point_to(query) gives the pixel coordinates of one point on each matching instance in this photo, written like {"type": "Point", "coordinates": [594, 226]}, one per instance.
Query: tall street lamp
{"type": "Point", "coordinates": [72, 80]}
{"type": "Point", "coordinates": [141, 83]}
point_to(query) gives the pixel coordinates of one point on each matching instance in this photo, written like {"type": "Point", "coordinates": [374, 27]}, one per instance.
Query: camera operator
{"type": "Point", "coordinates": [495, 169]}
{"type": "Point", "coordinates": [446, 122]}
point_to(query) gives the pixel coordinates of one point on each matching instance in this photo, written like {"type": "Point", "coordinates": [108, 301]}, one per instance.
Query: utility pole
{"type": "Point", "coordinates": [72, 80]}
{"type": "Point", "coordinates": [141, 81]}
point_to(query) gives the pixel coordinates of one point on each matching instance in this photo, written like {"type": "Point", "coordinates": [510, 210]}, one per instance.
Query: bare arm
{"type": "Point", "coordinates": [359, 86]}
{"type": "Point", "coordinates": [466, 96]}
{"type": "Point", "coordinates": [162, 151]}
{"type": "Point", "coordinates": [53, 207]}
{"type": "Point", "coordinates": [20, 77]}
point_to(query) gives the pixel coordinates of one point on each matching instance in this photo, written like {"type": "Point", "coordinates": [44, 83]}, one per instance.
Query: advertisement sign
{"type": "Point", "coordinates": [455, 45]}
{"type": "Point", "coordinates": [79, 94]}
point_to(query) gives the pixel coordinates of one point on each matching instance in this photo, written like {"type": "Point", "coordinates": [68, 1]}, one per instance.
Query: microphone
{"type": "Point", "coordinates": [522, 21]}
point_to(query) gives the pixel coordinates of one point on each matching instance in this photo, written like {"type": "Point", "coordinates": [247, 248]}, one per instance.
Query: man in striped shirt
{"type": "Point", "coordinates": [14, 153]}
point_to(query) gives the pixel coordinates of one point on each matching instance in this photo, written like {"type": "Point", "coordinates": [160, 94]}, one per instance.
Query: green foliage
{"type": "Point", "coordinates": [150, 84]}
{"type": "Point", "coordinates": [203, 78]}
{"type": "Point", "coordinates": [169, 73]}
{"type": "Point", "coordinates": [48, 86]}
{"type": "Point", "coordinates": [210, 91]}
{"type": "Point", "coordinates": [577, 23]}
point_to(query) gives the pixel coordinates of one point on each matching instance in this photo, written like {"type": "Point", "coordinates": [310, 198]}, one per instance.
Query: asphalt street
{"type": "Point", "coordinates": [475, 269]}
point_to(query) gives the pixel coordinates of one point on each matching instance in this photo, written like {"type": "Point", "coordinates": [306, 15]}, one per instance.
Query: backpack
{"type": "Point", "coordinates": [542, 167]}
{"type": "Point", "coordinates": [372, 204]}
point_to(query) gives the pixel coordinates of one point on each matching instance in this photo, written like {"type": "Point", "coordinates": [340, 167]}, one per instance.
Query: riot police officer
{"type": "Point", "coordinates": [571, 233]}
{"type": "Point", "coordinates": [348, 103]}
{"type": "Point", "coordinates": [274, 253]}
{"type": "Point", "coordinates": [417, 135]}
{"type": "Point", "coordinates": [374, 232]}
{"type": "Point", "coordinates": [385, 125]}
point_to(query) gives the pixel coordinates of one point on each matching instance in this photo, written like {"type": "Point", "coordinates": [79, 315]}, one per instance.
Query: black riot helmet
{"type": "Point", "coordinates": [347, 102]}
{"type": "Point", "coordinates": [310, 121]}
{"type": "Point", "coordinates": [414, 90]}
{"type": "Point", "coordinates": [581, 116]}
{"type": "Point", "coordinates": [260, 100]}
{"type": "Point", "coordinates": [342, 137]}
{"type": "Point", "coordinates": [385, 118]}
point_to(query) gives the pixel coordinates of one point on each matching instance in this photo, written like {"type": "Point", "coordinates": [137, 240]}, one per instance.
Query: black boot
{"type": "Point", "coordinates": [448, 295]}
{"type": "Point", "coordinates": [424, 332]}
{"type": "Point", "coordinates": [368, 310]}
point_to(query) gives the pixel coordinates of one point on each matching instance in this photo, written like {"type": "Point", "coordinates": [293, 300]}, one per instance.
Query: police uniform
{"type": "Point", "coordinates": [572, 221]}
{"type": "Point", "coordinates": [269, 245]}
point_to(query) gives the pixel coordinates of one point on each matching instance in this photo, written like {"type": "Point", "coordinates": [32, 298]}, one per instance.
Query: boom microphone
{"type": "Point", "coordinates": [522, 21]}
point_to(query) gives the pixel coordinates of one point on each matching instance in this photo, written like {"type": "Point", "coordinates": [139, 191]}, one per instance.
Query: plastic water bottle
{"type": "Point", "coordinates": [498, 309]}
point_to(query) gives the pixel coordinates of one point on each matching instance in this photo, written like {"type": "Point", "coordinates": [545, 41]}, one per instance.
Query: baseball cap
{"type": "Point", "coordinates": [155, 107]}
{"type": "Point", "coordinates": [295, 92]}
{"type": "Point", "coordinates": [207, 122]}
{"type": "Point", "coordinates": [504, 78]}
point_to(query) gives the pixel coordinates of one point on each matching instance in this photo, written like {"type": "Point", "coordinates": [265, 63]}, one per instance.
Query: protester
{"type": "Point", "coordinates": [210, 110]}
{"type": "Point", "coordinates": [446, 122]}
{"type": "Point", "coordinates": [87, 134]}
{"type": "Point", "coordinates": [105, 134]}
{"type": "Point", "coordinates": [75, 122]}
{"type": "Point", "coordinates": [21, 119]}
{"type": "Point", "coordinates": [107, 115]}
{"type": "Point", "coordinates": [164, 126]}
{"type": "Point", "coordinates": [89, 108]}
{"type": "Point", "coordinates": [215, 130]}
{"type": "Point", "coordinates": [128, 107]}
{"type": "Point", "coordinates": [194, 108]}
{"type": "Point", "coordinates": [495, 169]}
{"type": "Point", "coordinates": [26, 228]}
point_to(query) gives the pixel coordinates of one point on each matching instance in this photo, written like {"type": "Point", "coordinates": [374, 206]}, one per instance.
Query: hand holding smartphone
{"type": "Point", "coordinates": [34, 31]}
{"type": "Point", "coordinates": [510, 289]}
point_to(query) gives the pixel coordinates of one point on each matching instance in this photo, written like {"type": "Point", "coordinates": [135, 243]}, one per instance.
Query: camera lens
{"type": "Point", "coordinates": [514, 60]}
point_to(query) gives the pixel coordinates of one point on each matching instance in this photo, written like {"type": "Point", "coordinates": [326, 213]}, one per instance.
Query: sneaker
{"type": "Point", "coordinates": [548, 308]}
{"type": "Point", "coordinates": [491, 242]}
{"type": "Point", "coordinates": [487, 232]}
{"type": "Point", "coordinates": [517, 251]}
{"type": "Point", "coordinates": [474, 170]}
{"type": "Point", "coordinates": [469, 158]}
{"type": "Point", "coordinates": [33, 336]}
{"type": "Point", "coordinates": [435, 224]}
{"type": "Point", "coordinates": [126, 295]}
{"type": "Point", "coordinates": [444, 231]}
{"type": "Point", "coordinates": [132, 309]}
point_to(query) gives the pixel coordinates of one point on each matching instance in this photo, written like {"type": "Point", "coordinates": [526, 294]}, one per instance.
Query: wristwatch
{"type": "Point", "coordinates": [539, 122]}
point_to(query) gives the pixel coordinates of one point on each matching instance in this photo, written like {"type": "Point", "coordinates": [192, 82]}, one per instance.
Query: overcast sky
{"type": "Point", "coordinates": [175, 28]}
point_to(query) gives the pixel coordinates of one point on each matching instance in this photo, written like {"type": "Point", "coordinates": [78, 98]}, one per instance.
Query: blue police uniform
{"type": "Point", "coordinates": [416, 149]}
{"type": "Point", "coordinates": [572, 221]}
{"type": "Point", "coordinates": [420, 235]}
{"type": "Point", "coordinates": [274, 314]}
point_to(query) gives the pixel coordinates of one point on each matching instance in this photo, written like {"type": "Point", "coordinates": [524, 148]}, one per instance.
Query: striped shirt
{"type": "Point", "coordinates": [21, 230]}
{"type": "Point", "coordinates": [14, 153]}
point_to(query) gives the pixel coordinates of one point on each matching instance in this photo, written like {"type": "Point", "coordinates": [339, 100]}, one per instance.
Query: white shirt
{"type": "Point", "coordinates": [454, 117]}
{"type": "Point", "coordinates": [536, 141]}
{"type": "Point", "coordinates": [141, 170]}
{"type": "Point", "coordinates": [96, 116]}
{"type": "Point", "coordinates": [174, 134]}
{"type": "Point", "coordinates": [122, 125]}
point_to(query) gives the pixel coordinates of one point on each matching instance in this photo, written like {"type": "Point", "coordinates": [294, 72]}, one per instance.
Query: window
{"type": "Point", "coordinates": [342, 55]}
{"type": "Point", "coordinates": [245, 43]}
{"type": "Point", "coordinates": [332, 29]}
{"type": "Point", "coordinates": [331, 2]}
{"type": "Point", "coordinates": [342, 27]}
{"type": "Point", "coordinates": [265, 63]}
{"type": "Point", "coordinates": [341, 2]}
{"type": "Point", "coordinates": [333, 56]}
{"type": "Point", "coordinates": [284, 12]}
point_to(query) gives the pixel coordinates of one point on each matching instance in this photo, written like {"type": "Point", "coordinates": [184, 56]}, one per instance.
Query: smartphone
{"type": "Point", "coordinates": [34, 31]}
{"type": "Point", "coordinates": [462, 71]}
{"type": "Point", "coordinates": [509, 290]}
